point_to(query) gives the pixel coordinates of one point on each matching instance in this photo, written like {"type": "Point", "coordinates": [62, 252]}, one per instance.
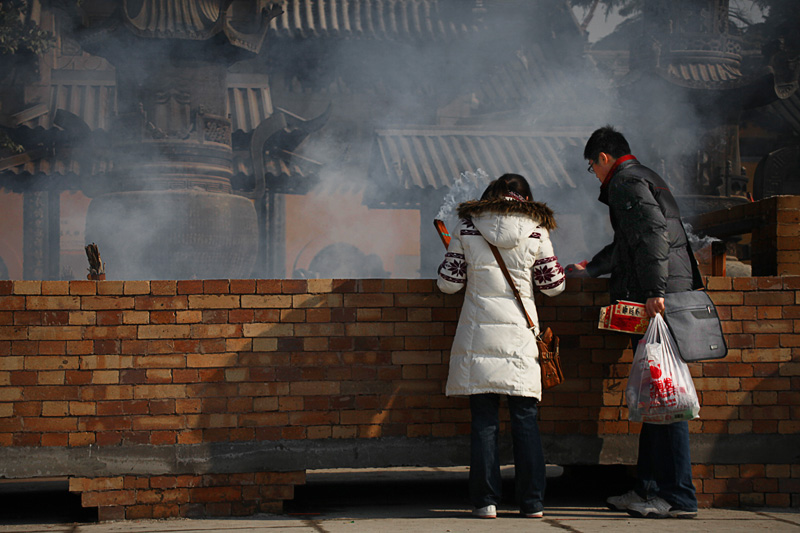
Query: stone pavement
{"type": "Point", "coordinates": [434, 500]}
{"type": "Point", "coordinates": [418, 518]}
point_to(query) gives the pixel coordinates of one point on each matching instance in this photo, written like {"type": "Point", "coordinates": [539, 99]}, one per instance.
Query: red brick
{"type": "Point", "coordinates": [27, 287]}
{"type": "Point", "coordinates": [163, 287]}
{"type": "Point", "coordinates": [214, 301]}
{"type": "Point", "coordinates": [368, 300]}
{"type": "Point", "coordinates": [83, 287]}
{"type": "Point", "coordinates": [344, 285]}
{"type": "Point", "coordinates": [190, 287]}
{"type": "Point", "coordinates": [135, 287]}
{"type": "Point", "coordinates": [161, 303]}
{"type": "Point", "coordinates": [216, 286]}
{"type": "Point", "coordinates": [268, 286]}
{"type": "Point", "coordinates": [294, 286]}
{"type": "Point", "coordinates": [242, 286]}
{"type": "Point", "coordinates": [12, 303]}
{"type": "Point", "coordinates": [6, 286]}
{"type": "Point", "coordinates": [95, 303]}
{"type": "Point", "coordinates": [108, 498]}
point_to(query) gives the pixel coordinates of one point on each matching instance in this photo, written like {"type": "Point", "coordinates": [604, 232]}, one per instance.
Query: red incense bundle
{"type": "Point", "coordinates": [443, 233]}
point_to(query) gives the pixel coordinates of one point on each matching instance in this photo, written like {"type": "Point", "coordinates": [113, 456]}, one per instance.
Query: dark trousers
{"type": "Point", "coordinates": [664, 467]}
{"type": "Point", "coordinates": [485, 483]}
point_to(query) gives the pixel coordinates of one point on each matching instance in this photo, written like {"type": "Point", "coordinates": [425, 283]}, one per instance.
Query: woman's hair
{"type": "Point", "coordinates": [608, 140]}
{"type": "Point", "coordinates": [508, 185]}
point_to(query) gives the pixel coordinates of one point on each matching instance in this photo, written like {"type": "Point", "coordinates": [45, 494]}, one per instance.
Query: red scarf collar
{"type": "Point", "coordinates": [614, 168]}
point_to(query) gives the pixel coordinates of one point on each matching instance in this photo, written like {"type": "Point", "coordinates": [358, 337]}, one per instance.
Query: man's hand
{"type": "Point", "coordinates": [654, 306]}
{"type": "Point", "coordinates": [577, 270]}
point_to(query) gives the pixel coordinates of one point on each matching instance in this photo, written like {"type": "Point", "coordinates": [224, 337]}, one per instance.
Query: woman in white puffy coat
{"type": "Point", "coordinates": [494, 352]}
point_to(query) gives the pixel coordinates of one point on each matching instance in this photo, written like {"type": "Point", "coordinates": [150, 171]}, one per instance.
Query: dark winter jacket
{"type": "Point", "coordinates": [649, 256]}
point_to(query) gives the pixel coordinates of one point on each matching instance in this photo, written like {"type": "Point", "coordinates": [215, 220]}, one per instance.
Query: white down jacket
{"type": "Point", "coordinates": [494, 351]}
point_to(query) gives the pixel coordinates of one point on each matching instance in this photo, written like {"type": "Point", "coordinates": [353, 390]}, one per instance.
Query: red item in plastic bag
{"type": "Point", "coordinates": [660, 389]}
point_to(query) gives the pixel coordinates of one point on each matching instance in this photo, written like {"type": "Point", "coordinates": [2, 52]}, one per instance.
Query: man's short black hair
{"type": "Point", "coordinates": [608, 140]}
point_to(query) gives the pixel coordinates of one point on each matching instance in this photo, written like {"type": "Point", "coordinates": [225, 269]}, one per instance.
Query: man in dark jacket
{"type": "Point", "coordinates": [648, 258]}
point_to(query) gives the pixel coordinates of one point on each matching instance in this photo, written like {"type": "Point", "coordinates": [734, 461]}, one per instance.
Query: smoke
{"type": "Point", "coordinates": [517, 82]}
{"type": "Point", "coordinates": [466, 187]}
{"type": "Point", "coordinates": [698, 242]}
{"type": "Point", "coordinates": [525, 71]}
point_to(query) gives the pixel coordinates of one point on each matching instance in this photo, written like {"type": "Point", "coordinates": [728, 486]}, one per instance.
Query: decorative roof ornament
{"type": "Point", "coordinates": [690, 45]}
{"type": "Point", "coordinates": [240, 23]}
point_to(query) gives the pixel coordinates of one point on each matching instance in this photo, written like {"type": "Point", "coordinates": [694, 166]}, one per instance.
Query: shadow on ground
{"type": "Point", "coordinates": [576, 486]}
{"type": "Point", "coordinates": [336, 491]}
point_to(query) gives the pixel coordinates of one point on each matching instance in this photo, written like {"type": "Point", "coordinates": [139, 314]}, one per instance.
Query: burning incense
{"type": "Point", "coordinates": [443, 233]}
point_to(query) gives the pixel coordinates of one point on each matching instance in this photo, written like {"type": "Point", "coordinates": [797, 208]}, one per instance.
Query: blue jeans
{"type": "Point", "coordinates": [664, 467]}
{"type": "Point", "coordinates": [485, 483]}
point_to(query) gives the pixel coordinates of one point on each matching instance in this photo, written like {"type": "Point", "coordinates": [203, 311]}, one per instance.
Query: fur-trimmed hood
{"type": "Point", "coordinates": [535, 210]}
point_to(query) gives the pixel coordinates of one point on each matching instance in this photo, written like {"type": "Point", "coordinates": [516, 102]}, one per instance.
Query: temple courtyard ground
{"type": "Point", "coordinates": [402, 500]}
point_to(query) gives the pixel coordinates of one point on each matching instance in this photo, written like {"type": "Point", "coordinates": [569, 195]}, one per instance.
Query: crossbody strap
{"type": "Point", "coordinates": [696, 274]}
{"type": "Point", "coordinates": [503, 267]}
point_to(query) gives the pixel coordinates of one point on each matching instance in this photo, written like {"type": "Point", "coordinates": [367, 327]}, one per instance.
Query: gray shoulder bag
{"type": "Point", "coordinates": [693, 321]}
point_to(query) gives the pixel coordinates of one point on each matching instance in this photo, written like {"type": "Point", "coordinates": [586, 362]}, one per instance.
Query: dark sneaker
{"type": "Point", "coordinates": [622, 503]}
{"type": "Point", "coordinates": [658, 508]}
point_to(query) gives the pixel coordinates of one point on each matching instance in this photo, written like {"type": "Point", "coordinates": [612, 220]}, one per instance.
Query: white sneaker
{"type": "Point", "coordinates": [537, 514]}
{"type": "Point", "coordinates": [658, 508]}
{"type": "Point", "coordinates": [490, 511]}
{"type": "Point", "coordinates": [622, 503]}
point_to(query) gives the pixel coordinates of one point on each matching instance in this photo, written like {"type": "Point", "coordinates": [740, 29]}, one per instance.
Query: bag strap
{"type": "Point", "coordinates": [503, 267]}
{"type": "Point", "coordinates": [697, 276]}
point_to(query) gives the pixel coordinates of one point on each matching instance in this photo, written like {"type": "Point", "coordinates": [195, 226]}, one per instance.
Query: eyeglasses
{"type": "Point", "coordinates": [590, 170]}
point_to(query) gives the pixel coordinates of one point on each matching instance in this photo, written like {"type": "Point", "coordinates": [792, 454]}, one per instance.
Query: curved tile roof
{"type": "Point", "coordinates": [526, 78]}
{"type": "Point", "coordinates": [92, 97]}
{"type": "Point", "coordinates": [373, 19]}
{"type": "Point", "coordinates": [704, 74]}
{"type": "Point", "coordinates": [789, 110]}
{"type": "Point", "coordinates": [434, 158]}
{"type": "Point", "coordinates": [179, 19]}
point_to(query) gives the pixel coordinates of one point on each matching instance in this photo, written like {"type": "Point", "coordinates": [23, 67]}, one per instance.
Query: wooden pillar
{"type": "Point", "coordinates": [276, 235]}
{"type": "Point", "coordinates": [53, 269]}
{"type": "Point", "coordinates": [35, 238]}
{"type": "Point", "coordinates": [719, 254]}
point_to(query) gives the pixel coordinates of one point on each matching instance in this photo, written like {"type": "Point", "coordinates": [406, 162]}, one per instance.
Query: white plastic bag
{"type": "Point", "coordinates": [660, 388]}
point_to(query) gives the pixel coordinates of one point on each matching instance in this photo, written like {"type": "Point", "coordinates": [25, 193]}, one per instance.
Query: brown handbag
{"type": "Point", "coordinates": [546, 341]}
{"type": "Point", "coordinates": [549, 359]}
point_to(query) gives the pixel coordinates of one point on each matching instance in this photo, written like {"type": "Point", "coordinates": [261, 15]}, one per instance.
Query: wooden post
{"type": "Point", "coordinates": [718, 254]}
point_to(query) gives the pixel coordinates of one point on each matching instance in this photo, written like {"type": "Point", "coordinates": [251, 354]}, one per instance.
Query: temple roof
{"type": "Point", "coordinates": [789, 110]}
{"type": "Point", "coordinates": [702, 74]}
{"type": "Point", "coordinates": [286, 173]}
{"type": "Point", "coordinates": [405, 161]}
{"type": "Point", "coordinates": [91, 97]}
{"type": "Point", "coordinates": [243, 23]}
{"type": "Point", "coordinates": [524, 79]}
{"type": "Point", "coordinates": [176, 19]}
{"type": "Point", "coordinates": [371, 19]}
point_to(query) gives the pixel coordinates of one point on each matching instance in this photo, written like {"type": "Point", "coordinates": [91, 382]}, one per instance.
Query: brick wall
{"type": "Point", "coordinates": [773, 226]}
{"type": "Point", "coordinates": [153, 396]}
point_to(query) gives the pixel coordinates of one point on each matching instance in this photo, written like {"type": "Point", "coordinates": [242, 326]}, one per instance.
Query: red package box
{"type": "Point", "coordinates": [629, 317]}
